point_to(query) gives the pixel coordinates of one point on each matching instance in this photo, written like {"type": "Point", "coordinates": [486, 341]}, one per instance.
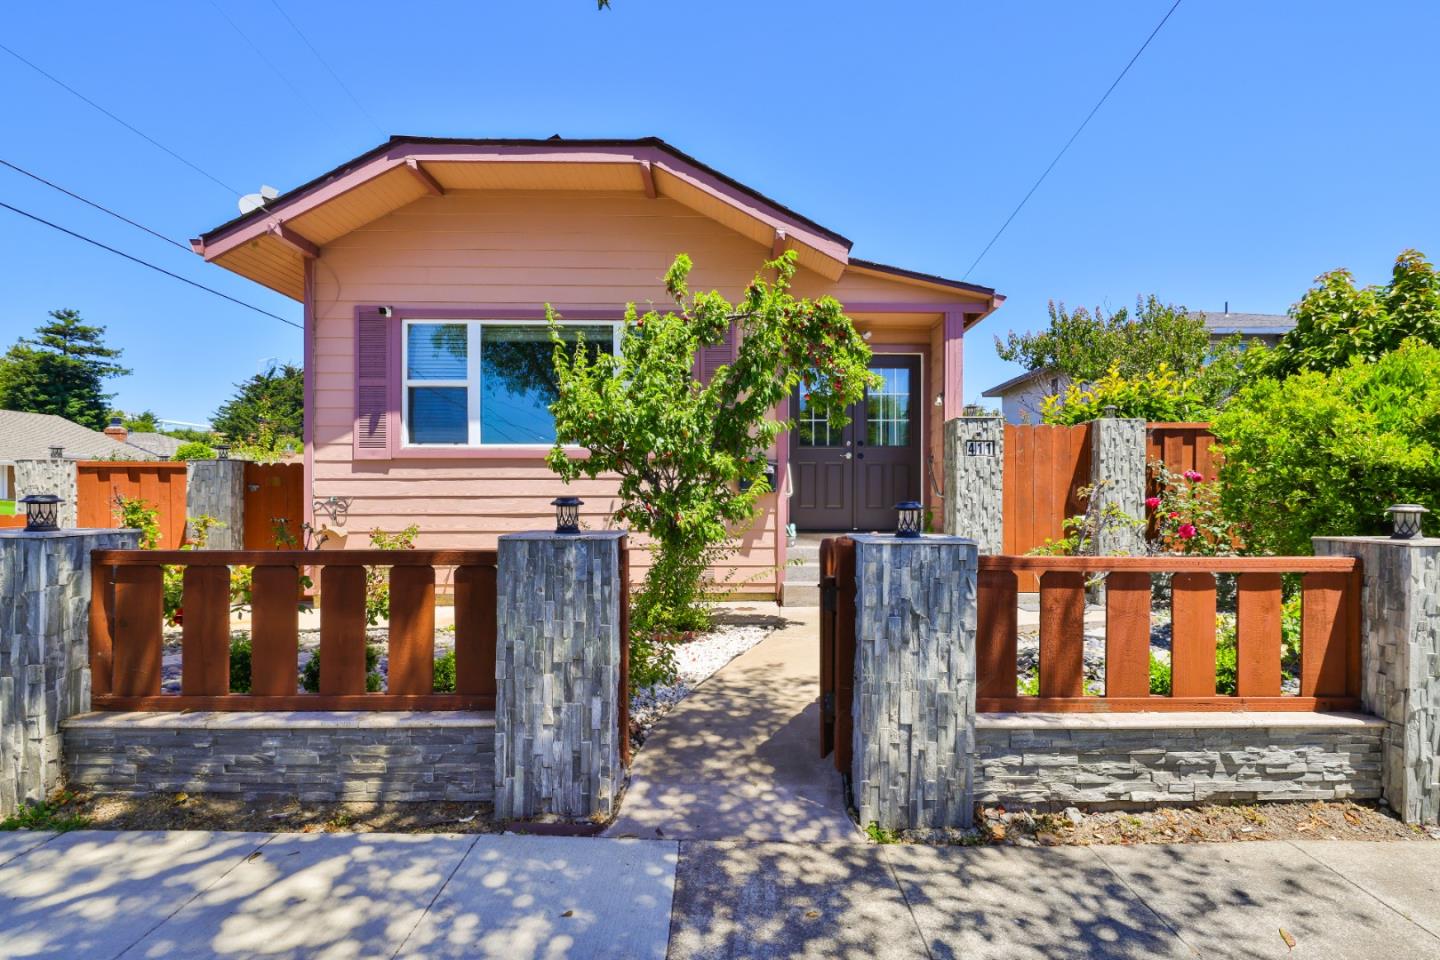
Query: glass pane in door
{"type": "Point", "coordinates": [887, 409]}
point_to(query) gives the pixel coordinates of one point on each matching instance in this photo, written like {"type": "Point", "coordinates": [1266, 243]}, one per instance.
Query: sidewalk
{"type": "Point", "coordinates": [99, 895]}
{"type": "Point", "coordinates": [739, 759]}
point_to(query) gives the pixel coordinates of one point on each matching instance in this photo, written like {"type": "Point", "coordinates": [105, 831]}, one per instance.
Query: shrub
{"type": "Point", "coordinates": [445, 673]}
{"type": "Point", "coordinates": [377, 579]}
{"type": "Point", "coordinates": [1159, 676]}
{"type": "Point", "coordinates": [310, 673]}
{"type": "Point", "coordinates": [1158, 394]}
{"type": "Point", "coordinates": [240, 664]}
{"type": "Point", "coordinates": [1187, 514]}
{"type": "Point", "coordinates": [194, 450]}
{"type": "Point", "coordinates": [1322, 454]}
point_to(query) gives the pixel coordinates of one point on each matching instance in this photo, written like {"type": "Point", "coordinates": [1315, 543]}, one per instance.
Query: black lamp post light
{"type": "Point", "coordinates": [42, 512]}
{"type": "Point", "coordinates": [222, 450]}
{"type": "Point", "coordinates": [1406, 520]}
{"type": "Point", "coordinates": [911, 519]}
{"type": "Point", "coordinates": [567, 514]}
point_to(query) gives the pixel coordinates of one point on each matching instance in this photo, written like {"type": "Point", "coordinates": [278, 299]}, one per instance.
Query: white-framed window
{"type": "Point", "coordinates": [485, 382]}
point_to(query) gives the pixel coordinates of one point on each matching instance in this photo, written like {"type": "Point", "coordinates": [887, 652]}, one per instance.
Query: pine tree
{"type": "Point", "coordinates": [61, 370]}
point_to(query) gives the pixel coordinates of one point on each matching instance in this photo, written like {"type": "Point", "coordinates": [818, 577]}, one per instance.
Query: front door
{"type": "Point", "coordinates": [850, 478]}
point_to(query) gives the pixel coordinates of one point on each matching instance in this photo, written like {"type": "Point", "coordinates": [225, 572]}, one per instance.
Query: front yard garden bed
{"type": "Point", "coordinates": [1205, 823]}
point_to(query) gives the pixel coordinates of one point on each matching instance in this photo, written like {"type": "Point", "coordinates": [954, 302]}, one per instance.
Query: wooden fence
{"type": "Point", "coordinates": [126, 614]}
{"type": "Point", "coordinates": [1329, 644]}
{"type": "Point", "coordinates": [274, 501]}
{"type": "Point", "coordinates": [274, 498]}
{"type": "Point", "coordinates": [160, 484]}
{"type": "Point", "coordinates": [1045, 466]}
{"type": "Point", "coordinates": [1181, 447]}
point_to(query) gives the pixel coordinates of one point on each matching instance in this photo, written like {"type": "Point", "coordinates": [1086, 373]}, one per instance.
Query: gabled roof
{"type": "Point", "coordinates": [270, 244]}
{"type": "Point", "coordinates": [1249, 324]}
{"type": "Point", "coordinates": [1000, 389]}
{"type": "Point", "coordinates": [29, 436]}
{"type": "Point", "coordinates": [161, 444]}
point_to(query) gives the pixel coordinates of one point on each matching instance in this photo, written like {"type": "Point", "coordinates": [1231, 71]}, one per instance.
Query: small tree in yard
{"type": "Point", "coordinates": [691, 455]}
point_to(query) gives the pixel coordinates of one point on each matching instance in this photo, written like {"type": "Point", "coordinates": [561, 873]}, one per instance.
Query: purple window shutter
{"type": "Point", "coordinates": [712, 358]}
{"type": "Point", "coordinates": [373, 421]}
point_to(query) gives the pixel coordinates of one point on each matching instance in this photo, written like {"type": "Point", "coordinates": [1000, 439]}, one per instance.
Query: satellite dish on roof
{"type": "Point", "coordinates": [254, 201]}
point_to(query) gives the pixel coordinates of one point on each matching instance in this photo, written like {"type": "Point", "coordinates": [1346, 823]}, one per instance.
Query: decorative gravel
{"type": "Point", "coordinates": [696, 661]}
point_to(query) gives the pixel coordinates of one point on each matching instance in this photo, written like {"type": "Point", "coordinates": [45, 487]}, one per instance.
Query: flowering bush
{"type": "Point", "coordinates": [1186, 516]}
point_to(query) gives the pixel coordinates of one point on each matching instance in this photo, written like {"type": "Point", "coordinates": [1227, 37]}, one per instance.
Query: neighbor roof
{"type": "Point", "coordinates": [270, 244]}
{"type": "Point", "coordinates": [160, 444]}
{"type": "Point", "coordinates": [29, 436]}
{"type": "Point", "coordinates": [1249, 324]}
{"type": "Point", "coordinates": [1000, 389]}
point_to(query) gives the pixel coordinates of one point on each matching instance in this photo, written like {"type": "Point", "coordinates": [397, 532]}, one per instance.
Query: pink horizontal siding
{"type": "Point", "coordinates": [576, 251]}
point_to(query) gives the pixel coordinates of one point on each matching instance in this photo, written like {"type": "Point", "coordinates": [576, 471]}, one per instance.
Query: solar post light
{"type": "Point", "coordinates": [42, 512]}
{"type": "Point", "coordinates": [910, 519]}
{"type": "Point", "coordinates": [1406, 520]}
{"type": "Point", "coordinates": [567, 514]}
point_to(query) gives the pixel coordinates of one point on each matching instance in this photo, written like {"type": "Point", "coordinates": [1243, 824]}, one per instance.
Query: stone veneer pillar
{"type": "Point", "coordinates": [44, 650]}
{"type": "Point", "coordinates": [914, 709]}
{"type": "Point", "coordinates": [1400, 663]}
{"type": "Point", "coordinates": [50, 476]}
{"type": "Point", "coordinates": [974, 481]}
{"type": "Point", "coordinates": [557, 670]}
{"type": "Point", "coordinates": [1117, 473]}
{"type": "Point", "coordinates": [216, 488]}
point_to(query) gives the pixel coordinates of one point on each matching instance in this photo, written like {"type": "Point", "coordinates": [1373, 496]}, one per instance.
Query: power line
{"type": "Point", "coordinates": [147, 263]}
{"type": "Point", "coordinates": [97, 206]}
{"type": "Point", "coordinates": [299, 94]}
{"type": "Point", "coordinates": [139, 133]}
{"type": "Point", "coordinates": [328, 69]}
{"type": "Point", "coordinates": [1083, 123]}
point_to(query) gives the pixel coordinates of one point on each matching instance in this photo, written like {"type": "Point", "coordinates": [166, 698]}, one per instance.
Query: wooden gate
{"type": "Point", "coordinates": [837, 648]}
{"type": "Point", "coordinates": [274, 506]}
{"type": "Point", "coordinates": [1044, 467]}
{"type": "Point", "coordinates": [161, 484]}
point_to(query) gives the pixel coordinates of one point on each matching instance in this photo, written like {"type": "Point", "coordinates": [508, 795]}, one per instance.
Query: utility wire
{"type": "Point", "coordinates": [328, 69]}
{"type": "Point", "coordinates": [97, 206]}
{"type": "Point", "coordinates": [299, 95]}
{"type": "Point", "coordinates": [139, 133]}
{"type": "Point", "coordinates": [147, 263]}
{"type": "Point", "coordinates": [1078, 130]}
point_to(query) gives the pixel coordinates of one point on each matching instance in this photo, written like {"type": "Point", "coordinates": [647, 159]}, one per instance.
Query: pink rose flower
{"type": "Point", "coordinates": [1152, 502]}
{"type": "Point", "coordinates": [1187, 531]}
{"type": "Point", "coordinates": [1193, 475]}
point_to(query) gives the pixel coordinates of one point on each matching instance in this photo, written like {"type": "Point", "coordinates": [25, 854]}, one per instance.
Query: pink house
{"type": "Point", "coordinates": [424, 265]}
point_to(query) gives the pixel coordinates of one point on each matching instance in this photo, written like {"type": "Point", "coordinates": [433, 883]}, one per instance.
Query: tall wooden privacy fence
{"type": "Point", "coordinates": [274, 499]}
{"type": "Point", "coordinates": [1181, 447]}
{"type": "Point", "coordinates": [160, 484]}
{"type": "Point", "coordinates": [1329, 642]}
{"type": "Point", "coordinates": [126, 642]}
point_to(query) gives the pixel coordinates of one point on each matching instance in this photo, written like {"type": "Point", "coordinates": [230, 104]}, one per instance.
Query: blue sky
{"type": "Point", "coordinates": [1252, 147]}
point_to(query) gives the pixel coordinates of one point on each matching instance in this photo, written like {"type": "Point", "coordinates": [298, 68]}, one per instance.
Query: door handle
{"type": "Point", "coordinates": [849, 455]}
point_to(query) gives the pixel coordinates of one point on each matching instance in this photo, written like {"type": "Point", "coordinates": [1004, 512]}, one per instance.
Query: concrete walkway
{"type": "Point", "coordinates": [739, 758]}
{"type": "Point", "coordinates": [103, 896]}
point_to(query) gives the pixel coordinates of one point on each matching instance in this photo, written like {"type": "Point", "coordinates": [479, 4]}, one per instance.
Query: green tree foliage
{"type": "Point", "coordinates": [1158, 394]}
{"type": "Point", "coordinates": [268, 404]}
{"type": "Point", "coordinates": [690, 455]}
{"type": "Point", "coordinates": [1336, 321]}
{"type": "Point", "coordinates": [1326, 453]}
{"type": "Point", "coordinates": [144, 422]}
{"type": "Point", "coordinates": [61, 370]}
{"type": "Point", "coordinates": [1131, 345]}
{"type": "Point", "coordinates": [194, 450]}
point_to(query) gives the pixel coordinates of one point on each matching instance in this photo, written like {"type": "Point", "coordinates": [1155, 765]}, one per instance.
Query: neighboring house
{"type": "Point", "coordinates": [424, 266]}
{"type": "Point", "coordinates": [159, 444]}
{"type": "Point", "coordinates": [32, 436]}
{"type": "Point", "coordinates": [1021, 397]}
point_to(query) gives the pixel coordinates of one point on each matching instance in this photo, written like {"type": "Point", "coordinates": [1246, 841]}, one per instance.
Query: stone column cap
{"type": "Point", "coordinates": [20, 533]}
{"type": "Point", "coordinates": [925, 539]}
{"type": "Point", "coordinates": [1431, 542]}
{"type": "Point", "coordinates": [552, 535]}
